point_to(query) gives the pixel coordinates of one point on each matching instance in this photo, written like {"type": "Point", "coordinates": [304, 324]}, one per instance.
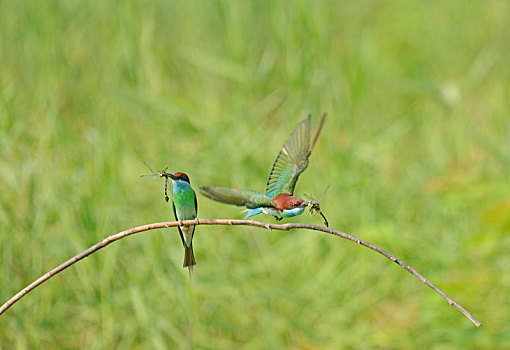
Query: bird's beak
{"type": "Point", "coordinates": [305, 204]}
{"type": "Point", "coordinates": [172, 176]}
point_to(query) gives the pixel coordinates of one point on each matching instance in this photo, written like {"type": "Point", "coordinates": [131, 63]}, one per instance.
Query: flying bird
{"type": "Point", "coordinates": [278, 200]}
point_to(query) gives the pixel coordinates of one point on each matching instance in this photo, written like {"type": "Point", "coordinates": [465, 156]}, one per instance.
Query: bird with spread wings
{"type": "Point", "coordinates": [278, 200]}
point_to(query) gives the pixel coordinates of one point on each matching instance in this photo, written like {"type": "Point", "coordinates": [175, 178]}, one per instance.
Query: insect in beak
{"type": "Point", "coordinates": [161, 173]}
{"type": "Point", "coordinates": [315, 206]}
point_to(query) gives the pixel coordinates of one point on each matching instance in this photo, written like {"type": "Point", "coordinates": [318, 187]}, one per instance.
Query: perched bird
{"type": "Point", "coordinates": [184, 203]}
{"type": "Point", "coordinates": [278, 200]}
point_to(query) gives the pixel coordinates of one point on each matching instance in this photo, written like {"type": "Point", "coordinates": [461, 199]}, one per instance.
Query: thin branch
{"type": "Point", "coordinates": [270, 227]}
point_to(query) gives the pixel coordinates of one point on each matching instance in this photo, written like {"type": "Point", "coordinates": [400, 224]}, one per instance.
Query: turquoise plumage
{"type": "Point", "coordinates": [292, 160]}
{"type": "Point", "coordinates": [278, 199]}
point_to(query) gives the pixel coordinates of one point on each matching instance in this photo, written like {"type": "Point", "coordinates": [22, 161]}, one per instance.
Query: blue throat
{"type": "Point", "coordinates": [180, 185]}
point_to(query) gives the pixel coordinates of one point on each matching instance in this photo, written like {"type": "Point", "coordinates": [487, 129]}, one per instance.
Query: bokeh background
{"type": "Point", "coordinates": [416, 148]}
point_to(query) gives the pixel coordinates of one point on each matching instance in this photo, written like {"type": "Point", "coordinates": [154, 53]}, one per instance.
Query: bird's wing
{"type": "Point", "coordinates": [292, 159]}
{"type": "Point", "coordinates": [195, 213]}
{"type": "Point", "coordinates": [196, 204]}
{"type": "Point", "coordinates": [249, 199]}
{"type": "Point", "coordinates": [180, 231]}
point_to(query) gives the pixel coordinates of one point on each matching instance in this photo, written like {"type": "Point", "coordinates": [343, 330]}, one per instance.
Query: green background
{"type": "Point", "coordinates": [416, 148]}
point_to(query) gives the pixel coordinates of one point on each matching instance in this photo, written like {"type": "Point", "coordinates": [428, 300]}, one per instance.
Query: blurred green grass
{"type": "Point", "coordinates": [416, 146]}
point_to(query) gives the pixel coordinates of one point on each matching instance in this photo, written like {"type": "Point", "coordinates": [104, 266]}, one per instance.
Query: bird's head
{"type": "Point", "coordinates": [285, 201]}
{"type": "Point", "coordinates": [177, 177]}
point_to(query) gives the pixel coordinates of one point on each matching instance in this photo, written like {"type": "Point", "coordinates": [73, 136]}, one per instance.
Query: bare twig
{"type": "Point", "coordinates": [270, 227]}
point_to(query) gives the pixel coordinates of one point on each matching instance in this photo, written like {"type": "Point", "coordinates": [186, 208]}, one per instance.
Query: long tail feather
{"type": "Point", "coordinates": [189, 260]}
{"type": "Point", "coordinates": [190, 271]}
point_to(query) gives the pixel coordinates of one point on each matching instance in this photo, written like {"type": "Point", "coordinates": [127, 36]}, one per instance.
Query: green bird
{"type": "Point", "coordinates": [278, 200]}
{"type": "Point", "coordinates": [184, 204]}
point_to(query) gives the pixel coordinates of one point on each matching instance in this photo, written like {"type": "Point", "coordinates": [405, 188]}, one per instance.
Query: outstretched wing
{"type": "Point", "coordinates": [292, 159]}
{"type": "Point", "coordinates": [249, 199]}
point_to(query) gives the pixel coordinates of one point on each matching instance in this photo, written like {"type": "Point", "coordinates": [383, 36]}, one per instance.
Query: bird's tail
{"type": "Point", "coordinates": [189, 260]}
{"type": "Point", "coordinates": [190, 271]}
{"type": "Point", "coordinates": [189, 257]}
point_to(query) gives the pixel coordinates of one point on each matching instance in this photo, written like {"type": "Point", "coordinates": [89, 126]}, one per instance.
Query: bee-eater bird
{"type": "Point", "coordinates": [184, 203]}
{"type": "Point", "coordinates": [278, 200]}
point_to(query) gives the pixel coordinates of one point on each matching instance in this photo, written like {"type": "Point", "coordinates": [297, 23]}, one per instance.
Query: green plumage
{"type": "Point", "coordinates": [185, 202]}
{"type": "Point", "coordinates": [246, 198]}
{"type": "Point", "coordinates": [292, 159]}
{"type": "Point", "coordinates": [185, 207]}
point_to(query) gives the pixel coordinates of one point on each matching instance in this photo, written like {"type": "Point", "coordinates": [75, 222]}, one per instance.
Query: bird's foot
{"type": "Point", "coordinates": [180, 223]}
{"type": "Point", "coordinates": [278, 218]}
{"type": "Point", "coordinates": [196, 220]}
